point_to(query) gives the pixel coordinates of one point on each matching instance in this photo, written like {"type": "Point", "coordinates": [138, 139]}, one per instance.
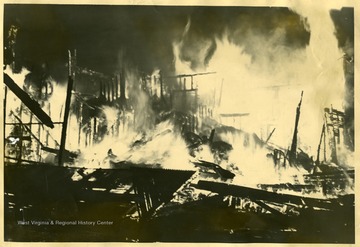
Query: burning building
{"type": "Point", "coordinates": [200, 122]}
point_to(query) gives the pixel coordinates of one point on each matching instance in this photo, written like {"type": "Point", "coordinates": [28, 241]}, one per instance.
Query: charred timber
{"type": "Point", "coordinates": [4, 112]}
{"type": "Point", "coordinates": [122, 84]}
{"type": "Point", "coordinates": [292, 155]}
{"type": "Point", "coordinates": [224, 174]}
{"type": "Point", "coordinates": [288, 186]}
{"type": "Point", "coordinates": [68, 155]}
{"type": "Point", "coordinates": [108, 91]}
{"type": "Point", "coordinates": [29, 130]}
{"type": "Point", "coordinates": [272, 132]}
{"type": "Point", "coordinates": [331, 174]}
{"type": "Point", "coordinates": [86, 71]}
{"type": "Point", "coordinates": [190, 75]}
{"type": "Point", "coordinates": [319, 147]}
{"type": "Point", "coordinates": [234, 114]}
{"type": "Point", "coordinates": [113, 95]}
{"type": "Point", "coordinates": [161, 87]}
{"type": "Point", "coordinates": [33, 106]}
{"type": "Point", "coordinates": [257, 194]}
{"type": "Point", "coordinates": [184, 90]}
{"type": "Point", "coordinates": [66, 113]}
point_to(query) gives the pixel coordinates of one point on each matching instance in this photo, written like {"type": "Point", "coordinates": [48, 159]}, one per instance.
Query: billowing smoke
{"type": "Point", "coordinates": [264, 66]}
{"type": "Point", "coordinates": [144, 117]}
{"type": "Point", "coordinates": [344, 24]}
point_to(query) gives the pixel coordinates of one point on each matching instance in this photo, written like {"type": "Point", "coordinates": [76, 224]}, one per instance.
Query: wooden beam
{"type": "Point", "coordinates": [66, 113]}
{"type": "Point", "coordinates": [33, 106]}
{"type": "Point", "coordinates": [258, 194]}
{"type": "Point", "coordinates": [28, 129]}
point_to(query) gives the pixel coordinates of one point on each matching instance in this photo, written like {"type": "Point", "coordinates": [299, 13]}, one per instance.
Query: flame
{"type": "Point", "coordinates": [161, 146]}
{"type": "Point", "coordinates": [155, 84]}
{"type": "Point", "coordinates": [270, 90]}
{"type": "Point", "coordinates": [141, 102]}
{"type": "Point", "coordinates": [254, 165]}
{"type": "Point", "coordinates": [111, 114]}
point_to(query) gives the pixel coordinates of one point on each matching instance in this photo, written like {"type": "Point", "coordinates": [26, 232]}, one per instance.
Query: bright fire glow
{"type": "Point", "coordinates": [270, 91]}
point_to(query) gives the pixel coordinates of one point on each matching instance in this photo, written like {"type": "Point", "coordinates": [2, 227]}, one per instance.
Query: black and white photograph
{"type": "Point", "coordinates": [179, 123]}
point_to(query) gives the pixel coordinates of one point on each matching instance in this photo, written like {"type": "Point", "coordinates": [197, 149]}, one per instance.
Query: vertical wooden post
{"type": "Point", "coordinates": [123, 111]}
{"type": "Point", "coordinates": [109, 91]}
{"type": "Point", "coordinates": [122, 85]}
{"type": "Point", "coordinates": [80, 123]}
{"type": "Point", "coordinates": [66, 113]}
{"type": "Point", "coordinates": [325, 144]}
{"type": "Point", "coordinates": [196, 108]}
{"type": "Point", "coordinates": [116, 87]}
{"type": "Point", "coordinates": [20, 135]}
{"type": "Point", "coordinates": [87, 135]}
{"type": "Point", "coordinates": [47, 132]}
{"type": "Point", "coordinates": [319, 147]}
{"type": "Point", "coordinates": [31, 117]}
{"type": "Point", "coordinates": [293, 149]}
{"type": "Point", "coordinates": [95, 132]}
{"type": "Point", "coordinates": [113, 97]}
{"type": "Point", "coordinates": [38, 145]}
{"type": "Point", "coordinates": [73, 69]}
{"type": "Point", "coordinates": [5, 99]}
{"type": "Point", "coordinates": [334, 148]}
{"type": "Point", "coordinates": [30, 127]}
{"type": "Point", "coordinates": [161, 87]}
